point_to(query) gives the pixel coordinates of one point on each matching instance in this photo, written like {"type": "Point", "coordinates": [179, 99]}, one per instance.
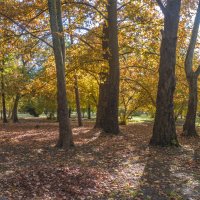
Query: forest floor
{"type": "Point", "coordinates": [99, 167]}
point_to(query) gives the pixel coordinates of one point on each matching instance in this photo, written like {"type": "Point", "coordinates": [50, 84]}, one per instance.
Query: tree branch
{"type": "Point", "coordinates": [197, 72]}
{"type": "Point", "coordinates": [88, 5]}
{"type": "Point", "coordinates": [192, 44]}
{"type": "Point", "coordinates": [24, 29]}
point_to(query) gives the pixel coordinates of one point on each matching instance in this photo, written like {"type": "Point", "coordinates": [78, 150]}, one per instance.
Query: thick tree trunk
{"type": "Point", "coordinates": [108, 119]}
{"type": "Point", "coordinates": [164, 130]}
{"type": "Point", "coordinates": [15, 107]}
{"type": "Point", "coordinates": [111, 124]}
{"type": "Point", "coordinates": [77, 97]}
{"type": "Point", "coordinates": [102, 103]}
{"type": "Point", "coordinates": [3, 98]}
{"type": "Point", "coordinates": [65, 133]}
{"type": "Point", "coordinates": [189, 128]}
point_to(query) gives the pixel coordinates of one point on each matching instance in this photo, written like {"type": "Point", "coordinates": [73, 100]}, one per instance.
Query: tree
{"type": "Point", "coordinates": [3, 94]}
{"type": "Point", "coordinates": [65, 133]}
{"type": "Point", "coordinates": [102, 102]}
{"type": "Point", "coordinates": [189, 128]}
{"type": "Point", "coordinates": [110, 96]}
{"type": "Point", "coordinates": [15, 106]}
{"type": "Point", "coordinates": [164, 130]}
{"type": "Point", "coordinates": [77, 97]}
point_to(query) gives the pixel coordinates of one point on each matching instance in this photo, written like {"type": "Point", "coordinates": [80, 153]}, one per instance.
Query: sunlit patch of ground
{"type": "Point", "coordinates": [99, 167]}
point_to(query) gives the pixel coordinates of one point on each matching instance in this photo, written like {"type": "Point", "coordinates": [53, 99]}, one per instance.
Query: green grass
{"type": "Point", "coordinates": [140, 119]}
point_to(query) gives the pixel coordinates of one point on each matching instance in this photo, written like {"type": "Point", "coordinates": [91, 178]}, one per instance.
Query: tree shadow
{"type": "Point", "coordinates": [167, 176]}
{"type": "Point", "coordinates": [105, 154]}
{"type": "Point", "coordinates": [132, 169]}
{"type": "Point", "coordinates": [197, 155]}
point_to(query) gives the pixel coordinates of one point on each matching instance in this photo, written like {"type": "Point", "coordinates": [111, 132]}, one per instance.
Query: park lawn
{"type": "Point", "coordinates": [99, 167]}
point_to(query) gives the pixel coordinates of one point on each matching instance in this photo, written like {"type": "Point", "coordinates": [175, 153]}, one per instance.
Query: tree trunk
{"type": "Point", "coordinates": [179, 112]}
{"type": "Point", "coordinates": [70, 111]}
{"type": "Point", "coordinates": [3, 97]}
{"type": "Point", "coordinates": [89, 111]}
{"type": "Point", "coordinates": [108, 119]}
{"type": "Point", "coordinates": [164, 130]}
{"type": "Point", "coordinates": [124, 117]}
{"type": "Point", "coordinates": [102, 103]}
{"type": "Point", "coordinates": [15, 107]}
{"type": "Point", "coordinates": [189, 128]}
{"type": "Point", "coordinates": [111, 124]}
{"type": "Point", "coordinates": [78, 108]}
{"type": "Point", "coordinates": [65, 133]}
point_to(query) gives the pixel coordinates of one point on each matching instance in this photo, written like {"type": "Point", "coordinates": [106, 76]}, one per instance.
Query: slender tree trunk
{"type": "Point", "coordinates": [77, 97]}
{"type": "Point", "coordinates": [107, 114]}
{"type": "Point", "coordinates": [3, 97]}
{"type": "Point", "coordinates": [124, 117]}
{"type": "Point", "coordinates": [89, 111]}
{"type": "Point", "coordinates": [180, 111]}
{"type": "Point", "coordinates": [15, 107]}
{"type": "Point", "coordinates": [9, 115]}
{"type": "Point", "coordinates": [189, 128]}
{"type": "Point", "coordinates": [164, 130]}
{"type": "Point", "coordinates": [65, 133]}
{"type": "Point", "coordinates": [70, 111]}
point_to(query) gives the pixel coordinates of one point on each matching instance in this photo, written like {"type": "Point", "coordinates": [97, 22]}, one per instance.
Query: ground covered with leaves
{"type": "Point", "coordinates": [99, 167]}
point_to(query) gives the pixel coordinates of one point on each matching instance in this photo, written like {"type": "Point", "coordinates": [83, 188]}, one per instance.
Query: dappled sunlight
{"type": "Point", "coordinates": [95, 137]}
{"type": "Point", "coordinates": [80, 130]}
{"type": "Point", "coordinates": [190, 182]}
{"type": "Point", "coordinates": [99, 100]}
{"type": "Point", "coordinates": [125, 166]}
{"type": "Point", "coordinates": [129, 174]}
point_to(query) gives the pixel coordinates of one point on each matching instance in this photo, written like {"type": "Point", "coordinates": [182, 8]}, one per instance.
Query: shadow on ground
{"type": "Point", "coordinates": [100, 167]}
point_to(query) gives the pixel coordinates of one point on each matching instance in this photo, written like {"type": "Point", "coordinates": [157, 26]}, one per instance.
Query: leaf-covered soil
{"type": "Point", "coordinates": [100, 167]}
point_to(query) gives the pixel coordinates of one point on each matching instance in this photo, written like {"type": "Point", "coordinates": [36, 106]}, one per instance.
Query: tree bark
{"type": "Point", "coordinates": [3, 97]}
{"type": "Point", "coordinates": [102, 103]}
{"type": "Point", "coordinates": [109, 90]}
{"type": "Point", "coordinates": [65, 133]}
{"type": "Point", "coordinates": [164, 130]}
{"type": "Point", "coordinates": [189, 128]}
{"type": "Point", "coordinates": [77, 97]}
{"type": "Point", "coordinates": [15, 107]}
